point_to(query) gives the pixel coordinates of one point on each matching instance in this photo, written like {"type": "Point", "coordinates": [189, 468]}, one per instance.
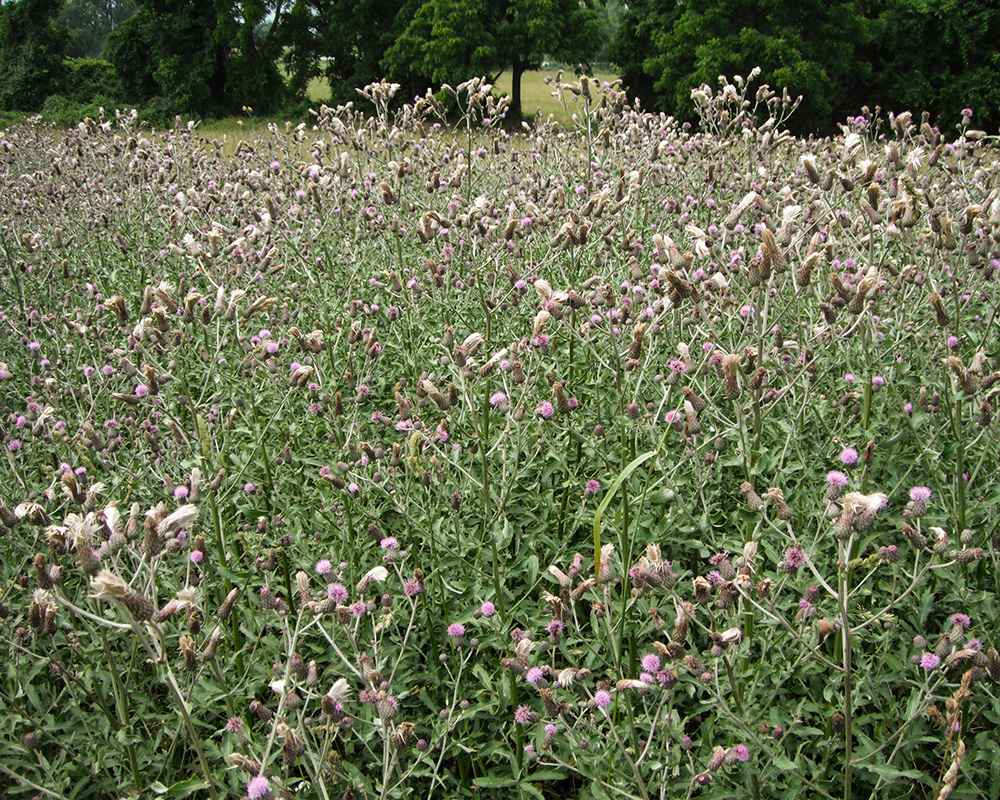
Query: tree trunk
{"type": "Point", "coordinates": [516, 71]}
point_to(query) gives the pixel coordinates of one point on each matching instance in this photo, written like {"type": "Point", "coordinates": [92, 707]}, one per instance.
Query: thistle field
{"type": "Point", "coordinates": [390, 457]}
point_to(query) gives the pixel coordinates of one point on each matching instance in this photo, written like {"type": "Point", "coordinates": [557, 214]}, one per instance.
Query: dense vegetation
{"type": "Point", "coordinates": [215, 59]}
{"type": "Point", "coordinates": [384, 459]}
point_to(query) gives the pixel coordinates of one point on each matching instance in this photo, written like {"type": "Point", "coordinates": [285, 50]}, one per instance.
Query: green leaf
{"type": "Point", "coordinates": [181, 788]}
{"type": "Point", "coordinates": [548, 775]}
{"type": "Point", "coordinates": [890, 773]}
{"type": "Point", "coordinates": [599, 515]}
{"type": "Point", "coordinates": [785, 764]}
{"type": "Point", "coordinates": [490, 782]}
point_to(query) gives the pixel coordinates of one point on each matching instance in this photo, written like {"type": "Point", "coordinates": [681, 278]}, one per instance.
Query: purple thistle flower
{"type": "Point", "coordinates": [593, 487]}
{"type": "Point", "coordinates": [259, 788]}
{"type": "Point", "coordinates": [359, 609]}
{"type": "Point", "coordinates": [487, 609]}
{"type": "Point", "coordinates": [849, 456]}
{"type": "Point", "coordinates": [335, 591]}
{"type": "Point", "coordinates": [456, 630]}
{"type": "Point", "coordinates": [920, 494]}
{"type": "Point", "coordinates": [545, 410]}
{"type": "Point", "coordinates": [602, 698]}
{"type": "Point", "coordinates": [929, 661]}
{"type": "Point", "coordinates": [836, 478]}
{"type": "Point", "coordinates": [741, 752]}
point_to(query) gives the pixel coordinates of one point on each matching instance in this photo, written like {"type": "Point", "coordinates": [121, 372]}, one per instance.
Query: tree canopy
{"type": "Point", "coordinates": [31, 53]}
{"type": "Point", "coordinates": [840, 55]}
{"type": "Point", "coordinates": [215, 57]}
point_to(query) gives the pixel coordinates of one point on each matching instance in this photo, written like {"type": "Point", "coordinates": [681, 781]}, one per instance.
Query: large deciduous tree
{"type": "Point", "coordinates": [448, 41]}
{"type": "Point", "coordinates": [89, 23]}
{"type": "Point", "coordinates": [666, 49]}
{"type": "Point", "coordinates": [940, 56]}
{"type": "Point", "coordinates": [31, 53]}
{"type": "Point", "coordinates": [200, 56]}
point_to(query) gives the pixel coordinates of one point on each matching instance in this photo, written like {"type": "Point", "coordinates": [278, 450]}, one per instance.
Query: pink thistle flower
{"type": "Point", "coordinates": [456, 630]}
{"type": "Point", "coordinates": [593, 487]}
{"type": "Point", "coordinates": [323, 566]}
{"type": "Point", "coordinates": [920, 494]}
{"type": "Point", "coordinates": [487, 609]}
{"type": "Point", "coordinates": [545, 410]}
{"type": "Point", "coordinates": [929, 661]}
{"type": "Point", "coordinates": [197, 556]}
{"type": "Point", "coordinates": [849, 456]}
{"type": "Point", "coordinates": [359, 609]}
{"type": "Point", "coordinates": [259, 788]}
{"type": "Point", "coordinates": [836, 478]}
{"type": "Point", "coordinates": [741, 752]}
{"type": "Point", "coordinates": [336, 592]}
{"type": "Point", "coordinates": [602, 698]}
{"type": "Point", "coordinates": [795, 557]}
{"type": "Point", "coordinates": [533, 675]}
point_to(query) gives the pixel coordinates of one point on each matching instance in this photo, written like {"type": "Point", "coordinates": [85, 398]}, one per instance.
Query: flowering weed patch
{"type": "Point", "coordinates": [389, 459]}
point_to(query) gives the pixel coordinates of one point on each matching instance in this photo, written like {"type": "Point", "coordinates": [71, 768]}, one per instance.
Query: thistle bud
{"type": "Point", "coordinates": [970, 556]}
{"type": "Point", "coordinates": [753, 499]}
{"type": "Point", "coordinates": [213, 644]}
{"type": "Point", "coordinates": [730, 370]}
{"type": "Point", "coordinates": [42, 576]}
{"type": "Point", "coordinates": [913, 536]}
{"type": "Point", "coordinates": [186, 645]}
{"type": "Point", "coordinates": [939, 310]}
{"type": "Point", "coordinates": [227, 605]}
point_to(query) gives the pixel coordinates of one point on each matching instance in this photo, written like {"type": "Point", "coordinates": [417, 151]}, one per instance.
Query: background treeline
{"type": "Point", "coordinates": [213, 58]}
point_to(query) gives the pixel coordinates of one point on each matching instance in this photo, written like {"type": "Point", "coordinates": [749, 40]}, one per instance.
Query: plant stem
{"type": "Point", "coordinates": [845, 630]}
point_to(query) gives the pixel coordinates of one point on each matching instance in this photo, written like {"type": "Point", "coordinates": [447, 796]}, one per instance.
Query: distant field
{"type": "Point", "coordinates": [536, 94]}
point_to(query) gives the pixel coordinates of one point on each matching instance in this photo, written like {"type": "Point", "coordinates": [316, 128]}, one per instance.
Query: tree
{"type": "Point", "coordinates": [451, 40]}
{"type": "Point", "coordinates": [811, 47]}
{"type": "Point", "coordinates": [31, 54]}
{"type": "Point", "coordinates": [939, 56]}
{"type": "Point", "coordinates": [89, 23]}
{"type": "Point", "coordinates": [200, 57]}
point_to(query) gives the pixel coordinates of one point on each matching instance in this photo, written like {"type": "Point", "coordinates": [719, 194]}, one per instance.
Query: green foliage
{"type": "Point", "coordinates": [933, 55]}
{"type": "Point", "coordinates": [31, 53]}
{"type": "Point", "coordinates": [938, 57]}
{"type": "Point", "coordinates": [203, 58]}
{"type": "Point", "coordinates": [90, 21]}
{"type": "Point", "coordinates": [690, 44]}
{"type": "Point", "coordinates": [88, 78]}
{"type": "Point", "coordinates": [450, 42]}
